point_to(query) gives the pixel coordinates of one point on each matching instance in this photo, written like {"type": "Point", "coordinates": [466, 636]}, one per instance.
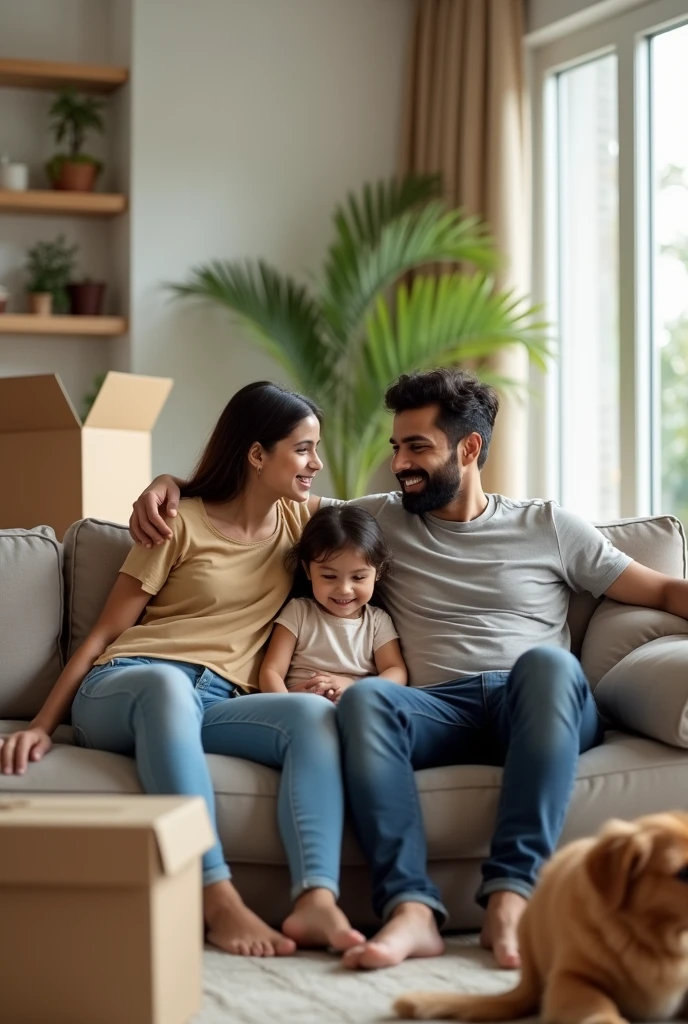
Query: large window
{"type": "Point", "coordinates": [611, 261]}
{"type": "Point", "coordinates": [669, 273]}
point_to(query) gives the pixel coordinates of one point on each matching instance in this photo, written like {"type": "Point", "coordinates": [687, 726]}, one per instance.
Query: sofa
{"type": "Point", "coordinates": [635, 659]}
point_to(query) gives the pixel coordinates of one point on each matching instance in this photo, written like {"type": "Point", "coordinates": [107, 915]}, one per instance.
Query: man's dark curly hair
{"type": "Point", "coordinates": [466, 405]}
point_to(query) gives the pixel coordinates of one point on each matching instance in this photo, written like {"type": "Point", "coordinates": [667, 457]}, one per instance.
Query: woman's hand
{"type": "Point", "coordinates": [146, 523]}
{"type": "Point", "coordinates": [327, 684]}
{"type": "Point", "coordinates": [17, 749]}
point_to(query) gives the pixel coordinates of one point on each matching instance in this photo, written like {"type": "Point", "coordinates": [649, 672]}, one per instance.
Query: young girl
{"type": "Point", "coordinates": [335, 637]}
{"type": "Point", "coordinates": [180, 639]}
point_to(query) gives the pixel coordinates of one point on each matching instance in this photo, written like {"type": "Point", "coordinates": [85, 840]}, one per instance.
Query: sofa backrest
{"type": "Point", "coordinates": [45, 612]}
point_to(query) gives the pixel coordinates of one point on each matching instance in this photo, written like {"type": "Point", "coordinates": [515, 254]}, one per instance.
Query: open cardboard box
{"type": "Point", "coordinates": [101, 909]}
{"type": "Point", "coordinates": [54, 470]}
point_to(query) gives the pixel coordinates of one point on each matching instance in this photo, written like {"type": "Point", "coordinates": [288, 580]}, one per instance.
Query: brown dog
{"type": "Point", "coordinates": [603, 938]}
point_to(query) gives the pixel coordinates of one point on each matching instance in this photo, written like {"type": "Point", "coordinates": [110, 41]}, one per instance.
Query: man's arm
{"type": "Point", "coordinates": [160, 498]}
{"type": "Point", "coordinates": [650, 589]}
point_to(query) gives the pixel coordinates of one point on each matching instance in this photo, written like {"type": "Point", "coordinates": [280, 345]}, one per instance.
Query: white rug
{"type": "Point", "coordinates": [312, 988]}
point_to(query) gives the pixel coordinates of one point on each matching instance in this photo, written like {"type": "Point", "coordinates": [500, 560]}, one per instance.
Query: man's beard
{"type": "Point", "coordinates": [441, 487]}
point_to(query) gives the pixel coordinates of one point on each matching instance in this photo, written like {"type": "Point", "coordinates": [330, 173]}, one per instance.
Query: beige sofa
{"type": "Point", "coordinates": [50, 594]}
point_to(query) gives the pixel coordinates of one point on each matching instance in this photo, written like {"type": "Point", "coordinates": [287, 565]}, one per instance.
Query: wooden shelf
{"type": "Point", "coordinates": [28, 323]}
{"type": "Point", "coordinates": [87, 204]}
{"type": "Point", "coordinates": [48, 74]}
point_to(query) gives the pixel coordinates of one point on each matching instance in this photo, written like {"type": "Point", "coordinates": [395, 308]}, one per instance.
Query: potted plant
{"type": "Point", "coordinates": [73, 116]}
{"type": "Point", "coordinates": [50, 265]}
{"type": "Point", "coordinates": [86, 297]}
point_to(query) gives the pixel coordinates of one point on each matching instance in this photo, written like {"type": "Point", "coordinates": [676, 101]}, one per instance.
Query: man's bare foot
{"type": "Point", "coordinates": [316, 920]}
{"type": "Point", "coordinates": [410, 932]}
{"type": "Point", "coordinates": [231, 926]}
{"type": "Point", "coordinates": [500, 930]}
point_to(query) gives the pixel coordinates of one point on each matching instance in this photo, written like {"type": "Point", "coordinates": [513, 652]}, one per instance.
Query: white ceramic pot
{"type": "Point", "coordinates": [14, 177]}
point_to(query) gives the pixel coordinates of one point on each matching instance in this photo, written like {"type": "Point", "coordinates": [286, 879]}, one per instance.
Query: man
{"type": "Point", "coordinates": [479, 596]}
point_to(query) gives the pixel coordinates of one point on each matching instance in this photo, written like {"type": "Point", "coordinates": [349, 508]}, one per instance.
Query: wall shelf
{"type": "Point", "coordinates": [48, 74]}
{"type": "Point", "coordinates": [87, 204]}
{"type": "Point", "coordinates": [29, 323]}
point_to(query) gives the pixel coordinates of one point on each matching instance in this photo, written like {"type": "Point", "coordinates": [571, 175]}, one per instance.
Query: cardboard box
{"type": "Point", "coordinates": [54, 470]}
{"type": "Point", "coordinates": [101, 909]}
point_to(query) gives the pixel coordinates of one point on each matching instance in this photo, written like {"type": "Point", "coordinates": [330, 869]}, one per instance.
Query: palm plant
{"type": "Point", "coordinates": [364, 322]}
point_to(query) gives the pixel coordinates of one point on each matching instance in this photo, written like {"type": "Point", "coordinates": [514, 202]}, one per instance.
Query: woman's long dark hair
{"type": "Point", "coordinates": [261, 412]}
{"type": "Point", "coordinates": [332, 529]}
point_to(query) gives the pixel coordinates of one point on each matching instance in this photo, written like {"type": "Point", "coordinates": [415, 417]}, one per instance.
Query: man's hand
{"type": "Point", "coordinates": [328, 685]}
{"type": "Point", "coordinates": [161, 498]}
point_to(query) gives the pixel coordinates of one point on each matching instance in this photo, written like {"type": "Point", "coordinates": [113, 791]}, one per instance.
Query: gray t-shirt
{"type": "Point", "coordinates": [472, 597]}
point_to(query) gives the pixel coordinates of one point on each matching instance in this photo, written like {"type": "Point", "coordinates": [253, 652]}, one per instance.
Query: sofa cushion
{"type": "Point", "coordinates": [94, 552]}
{"type": "Point", "coordinates": [656, 541]}
{"type": "Point", "coordinates": [647, 692]}
{"type": "Point", "coordinates": [31, 604]}
{"type": "Point", "coordinates": [616, 630]}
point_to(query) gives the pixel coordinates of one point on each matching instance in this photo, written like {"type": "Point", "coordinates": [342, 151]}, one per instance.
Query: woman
{"type": "Point", "coordinates": [181, 635]}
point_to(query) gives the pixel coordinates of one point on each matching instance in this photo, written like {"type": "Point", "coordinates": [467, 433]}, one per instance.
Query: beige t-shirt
{"type": "Point", "coordinates": [327, 643]}
{"type": "Point", "coordinates": [214, 598]}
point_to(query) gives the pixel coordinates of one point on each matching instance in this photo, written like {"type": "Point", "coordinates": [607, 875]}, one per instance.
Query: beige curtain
{"type": "Point", "coordinates": [465, 117]}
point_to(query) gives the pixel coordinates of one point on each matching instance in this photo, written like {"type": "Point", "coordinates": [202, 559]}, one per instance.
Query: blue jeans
{"type": "Point", "coordinates": [169, 714]}
{"type": "Point", "coordinates": [535, 720]}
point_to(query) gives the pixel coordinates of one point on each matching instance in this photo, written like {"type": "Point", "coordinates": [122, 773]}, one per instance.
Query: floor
{"type": "Point", "coordinates": [312, 988]}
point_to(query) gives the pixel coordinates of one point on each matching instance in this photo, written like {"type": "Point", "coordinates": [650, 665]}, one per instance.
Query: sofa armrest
{"type": "Point", "coordinates": [647, 691]}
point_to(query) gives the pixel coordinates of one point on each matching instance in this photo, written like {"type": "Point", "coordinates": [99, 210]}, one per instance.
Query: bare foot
{"type": "Point", "coordinates": [316, 920]}
{"type": "Point", "coordinates": [231, 926]}
{"type": "Point", "coordinates": [410, 932]}
{"type": "Point", "coordinates": [500, 930]}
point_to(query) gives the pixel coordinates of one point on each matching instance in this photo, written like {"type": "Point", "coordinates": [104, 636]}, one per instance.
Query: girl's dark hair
{"type": "Point", "coordinates": [331, 529]}
{"type": "Point", "coordinates": [261, 412]}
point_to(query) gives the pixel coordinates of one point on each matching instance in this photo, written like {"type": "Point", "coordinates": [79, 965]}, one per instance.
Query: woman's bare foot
{"type": "Point", "coordinates": [231, 926]}
{"type": "Point", "coordinates": [410, 932]}
{"type": "Point", "coordinates": [500, 930]}
{"type": "Point", "coordinates": [316, 920]}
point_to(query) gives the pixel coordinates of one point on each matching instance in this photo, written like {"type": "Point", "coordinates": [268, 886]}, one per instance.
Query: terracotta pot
{"type": "Point", "coordinates": [41, 303]}
{"type": "Point", "coordinates": [86, 299]}
{"type": "Point", "coordinates": [76, 177]}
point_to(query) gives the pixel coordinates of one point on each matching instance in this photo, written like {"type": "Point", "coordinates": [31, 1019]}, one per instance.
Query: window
{"type": "Point", "coordinates": [611, 259]}
{"type": "Point", "coordinates": [669, 271]}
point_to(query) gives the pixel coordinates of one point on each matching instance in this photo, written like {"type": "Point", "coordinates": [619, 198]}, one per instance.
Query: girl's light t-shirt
{"type": "Point", "coordinates": [327, 643]}
{"type": "Point", "coordinates": [214, 598]}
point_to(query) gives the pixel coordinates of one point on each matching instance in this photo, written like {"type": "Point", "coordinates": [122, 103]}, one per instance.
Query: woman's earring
{"type": "Point", "coordinates": [259, 469]}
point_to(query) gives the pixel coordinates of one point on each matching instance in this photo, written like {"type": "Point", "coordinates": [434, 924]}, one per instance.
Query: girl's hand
{"type": "Point", "coordinates": [17, 749]}
{"type": "Point", "coordinates": [329, 685]}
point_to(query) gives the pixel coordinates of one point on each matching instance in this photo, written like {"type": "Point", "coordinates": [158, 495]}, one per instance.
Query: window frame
{"type": "Point", "coordinates": [628, 35]}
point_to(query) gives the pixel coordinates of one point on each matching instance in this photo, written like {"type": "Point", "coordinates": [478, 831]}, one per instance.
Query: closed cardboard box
{"type": "Point", "coordinates": [101, 909]}
{"type": "Point", "coordinates": [54, 470]}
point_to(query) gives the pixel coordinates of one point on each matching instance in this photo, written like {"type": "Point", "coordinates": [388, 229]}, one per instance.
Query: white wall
{"type": "Point", "coordinates": [250, 118]}
{"type": "Point", "coordinates": [542, 15]}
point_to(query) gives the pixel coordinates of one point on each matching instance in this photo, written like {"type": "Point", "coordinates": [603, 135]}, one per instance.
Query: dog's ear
{"type": "Point", "coordinates": [617, 858]}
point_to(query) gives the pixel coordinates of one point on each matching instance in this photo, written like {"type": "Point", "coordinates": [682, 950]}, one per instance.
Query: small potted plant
{"type": "Point", "coordinates": [73, 116]}
{"type": "Point", "coordinates": [50, 265]}
{"type": "Point", "coordinates": [86, 297]}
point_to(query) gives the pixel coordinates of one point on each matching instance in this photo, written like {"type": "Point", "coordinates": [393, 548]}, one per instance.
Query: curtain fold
{"type": "Point", "coordinates": [466, 117]}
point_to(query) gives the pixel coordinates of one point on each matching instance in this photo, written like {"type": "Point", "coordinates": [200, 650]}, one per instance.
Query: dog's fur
{"type": "Point", "coordinates": [603, 939]}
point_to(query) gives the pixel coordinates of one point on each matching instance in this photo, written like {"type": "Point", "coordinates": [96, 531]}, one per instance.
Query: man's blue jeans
{"type": "Point", "coordinates": [169, 715]}
{"type": "Point", "coordinates": [535, 720]}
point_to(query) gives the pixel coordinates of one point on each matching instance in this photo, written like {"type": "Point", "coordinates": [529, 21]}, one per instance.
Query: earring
{"type": "Point", "coordinates": [259, 469]}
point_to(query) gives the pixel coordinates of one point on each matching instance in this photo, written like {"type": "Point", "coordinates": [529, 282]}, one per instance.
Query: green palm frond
{"type": "Point", "coordinates": [365, 326]}
{"type": "Point", "coordinates": [275, 310]}
{"type": "Point", "coordinates": [416, 238]}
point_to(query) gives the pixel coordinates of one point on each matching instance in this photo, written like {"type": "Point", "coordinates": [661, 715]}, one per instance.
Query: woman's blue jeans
{"type": "Point", "coordinates": [169, 715]}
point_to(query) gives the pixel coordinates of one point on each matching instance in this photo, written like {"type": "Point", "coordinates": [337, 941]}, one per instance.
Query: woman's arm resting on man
{"type": "Point", "coordinates": [650, 589]}
{"type": "Point", "coordinates": [122, 610]}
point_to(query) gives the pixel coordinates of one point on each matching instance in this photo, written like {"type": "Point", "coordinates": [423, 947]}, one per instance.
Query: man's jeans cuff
{"type": "Point", "coordinates": [440, 912]}
{"type": "Point", "coordinates": [314, 882]}
{"type": "Point", "coordinates": [516, 885]}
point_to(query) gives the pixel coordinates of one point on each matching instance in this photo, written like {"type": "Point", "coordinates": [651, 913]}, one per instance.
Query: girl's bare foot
{"type": "Point", "coordinates": [500, 930]}
{"type": "Point", "coordinates": [316, 920]}
{"type": "Point", "coordinates": [410, 932]}
{"type": "Point", "coordinates": [231, 926]}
